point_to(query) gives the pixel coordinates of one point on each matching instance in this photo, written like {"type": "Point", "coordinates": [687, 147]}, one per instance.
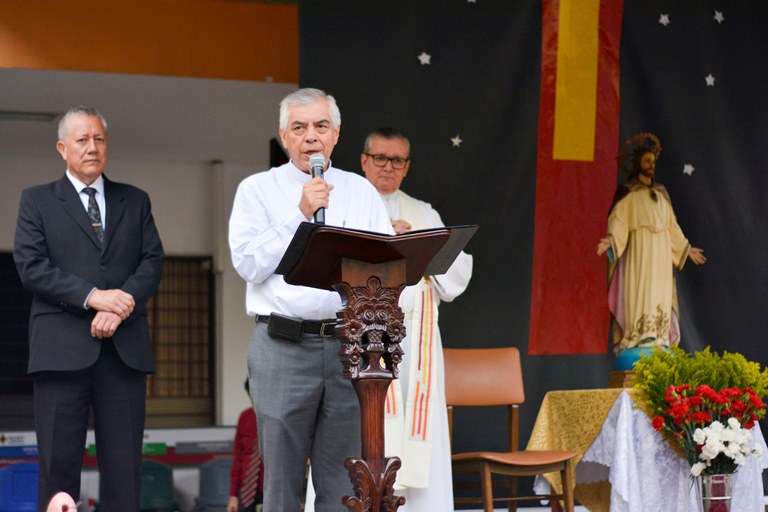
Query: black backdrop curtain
{"type": "Point", "coordinates": [482, 84]}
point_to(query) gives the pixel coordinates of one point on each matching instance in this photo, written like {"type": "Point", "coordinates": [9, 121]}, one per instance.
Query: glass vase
{"type": "Point", "coordinates": [716, 493]}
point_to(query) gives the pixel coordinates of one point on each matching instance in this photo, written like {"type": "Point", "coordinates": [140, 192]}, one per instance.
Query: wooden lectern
{"type": "Point", "coordinates": [369, 271]}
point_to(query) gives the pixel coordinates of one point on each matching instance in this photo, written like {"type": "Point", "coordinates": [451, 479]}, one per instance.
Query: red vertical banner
{"type": "Point", "coordinates": [576, 174]}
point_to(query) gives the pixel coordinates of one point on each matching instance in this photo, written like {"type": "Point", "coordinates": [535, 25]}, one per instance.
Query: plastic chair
{"type": "Point", "coordinates": [491, 377]}
{"type": "Point", "coordinates": [214, 485]}
{"type": "Point", "coordinates": [157, 487]}
{"type": "Point", "coordinates": [18, 487]}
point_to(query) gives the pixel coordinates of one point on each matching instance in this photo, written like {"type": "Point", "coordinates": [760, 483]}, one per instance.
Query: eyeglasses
{"type": "Point", "coordinates": [381, 160]}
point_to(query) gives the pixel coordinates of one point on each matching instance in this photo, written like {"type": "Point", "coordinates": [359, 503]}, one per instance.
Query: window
{"type": "Point", "coordinates": [15, 385]}
{"type": "Point", "coordinates": [181, 319]}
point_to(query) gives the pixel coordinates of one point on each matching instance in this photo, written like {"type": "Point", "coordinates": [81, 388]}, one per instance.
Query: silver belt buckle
{"type": "Point", "coordinates": [332, 333]}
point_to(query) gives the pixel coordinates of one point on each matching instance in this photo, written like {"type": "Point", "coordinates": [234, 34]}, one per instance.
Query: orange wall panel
{"type": "Point", "coordinates": [227, 39]}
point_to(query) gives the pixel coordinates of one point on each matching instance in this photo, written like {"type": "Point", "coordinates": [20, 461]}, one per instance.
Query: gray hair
{"type": "Point", "coordinates": [80, 110]}
{"type": "Point", "coordinates": [386, 133]}
{"type": "Point", "coordinates": [308, 96]}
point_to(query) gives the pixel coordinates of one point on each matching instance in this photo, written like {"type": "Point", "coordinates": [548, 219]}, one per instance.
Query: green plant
{"type": "Point", "coordinates": [655, 372]}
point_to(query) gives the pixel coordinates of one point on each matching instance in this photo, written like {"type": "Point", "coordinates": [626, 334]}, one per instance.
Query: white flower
{"type": "Point", "coordinates": [732, 440]}
{"type": "Point", "coordinates": [697, 468]}
{"type": "Point", "coordinates": [735, 452]}
{"type": "Point", "coordinates": [716, 426]}
{"type": "Point", "coordinates": [711, 449]}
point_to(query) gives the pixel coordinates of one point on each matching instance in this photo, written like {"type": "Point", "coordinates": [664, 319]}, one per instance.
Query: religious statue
{"type": "Point", "coordinates": [644, 244]}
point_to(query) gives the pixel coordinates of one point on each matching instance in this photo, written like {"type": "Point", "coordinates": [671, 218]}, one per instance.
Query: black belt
{"type": "Point", "coordinates": [323, 328]}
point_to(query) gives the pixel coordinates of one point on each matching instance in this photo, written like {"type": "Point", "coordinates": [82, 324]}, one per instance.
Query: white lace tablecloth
{"type": "Point", "coordinates": [646, 475]}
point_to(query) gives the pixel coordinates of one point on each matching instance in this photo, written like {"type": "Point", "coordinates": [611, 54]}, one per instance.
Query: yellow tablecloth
{"type": "Point", "coordinates": [571, 420]}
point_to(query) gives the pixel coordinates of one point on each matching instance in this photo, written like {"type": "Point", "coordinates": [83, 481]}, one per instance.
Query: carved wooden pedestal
{"type": "Point", "coordinates": [371, 328]}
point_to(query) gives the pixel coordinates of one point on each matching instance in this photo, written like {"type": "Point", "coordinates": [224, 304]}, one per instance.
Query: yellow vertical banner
{"type": "Point", "coordinates": [576, 83]}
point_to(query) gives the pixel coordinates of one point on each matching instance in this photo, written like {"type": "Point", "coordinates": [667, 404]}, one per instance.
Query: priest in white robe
{"type": "Point", "coordinates": [416, 421]}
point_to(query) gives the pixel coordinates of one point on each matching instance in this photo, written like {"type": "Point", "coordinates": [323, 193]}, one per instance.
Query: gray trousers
{"type": "Point", "coordinates": [305, 409]}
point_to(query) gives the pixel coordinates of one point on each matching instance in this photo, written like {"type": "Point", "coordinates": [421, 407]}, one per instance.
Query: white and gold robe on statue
{"type": "Point", "coordinates": [647, 244]}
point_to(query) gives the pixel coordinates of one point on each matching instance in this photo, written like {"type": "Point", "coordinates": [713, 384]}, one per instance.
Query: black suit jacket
{"type": "Point", "coordinates": [60, 260]}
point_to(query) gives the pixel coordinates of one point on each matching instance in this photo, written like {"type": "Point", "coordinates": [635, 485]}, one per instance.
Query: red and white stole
{"type": "Point", "coordinates": [408, 420]}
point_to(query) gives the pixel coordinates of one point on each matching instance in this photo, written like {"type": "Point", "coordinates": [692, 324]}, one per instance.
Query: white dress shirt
{"type": "Point", "coordinates": [265, 216]}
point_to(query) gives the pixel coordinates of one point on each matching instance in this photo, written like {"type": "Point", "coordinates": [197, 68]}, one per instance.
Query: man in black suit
{"type": "Point", "coordinates": [88, 250]}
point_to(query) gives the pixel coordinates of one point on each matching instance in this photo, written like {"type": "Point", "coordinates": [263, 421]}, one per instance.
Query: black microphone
{"type": "Point", "coordinates": [317, 163]}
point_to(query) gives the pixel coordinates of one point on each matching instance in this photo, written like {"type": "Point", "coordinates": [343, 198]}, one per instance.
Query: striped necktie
{"type": "Point", "coordinates": [94, 214]}
{"type": "Point", "coordinates": [251, 480]}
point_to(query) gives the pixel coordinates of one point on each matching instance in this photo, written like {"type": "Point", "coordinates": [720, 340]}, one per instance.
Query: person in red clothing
{"type": "Point", "coordinates": [247, 476]}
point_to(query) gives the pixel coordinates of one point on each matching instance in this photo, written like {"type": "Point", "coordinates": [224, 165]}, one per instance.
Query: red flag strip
{"type": "Point", "coordinates": [576, 175]}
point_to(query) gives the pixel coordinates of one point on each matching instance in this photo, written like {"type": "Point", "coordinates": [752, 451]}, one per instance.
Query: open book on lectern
{"type": "Point", "coordinates": [316, 250]}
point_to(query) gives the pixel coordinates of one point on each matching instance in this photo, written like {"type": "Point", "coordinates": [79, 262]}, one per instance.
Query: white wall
{"type": "Point", "coordinates": [191, 196]}
{"type": "Point", "coordinates": [16, 174]}
{"type": "Point", "coordinates": [234, 325]}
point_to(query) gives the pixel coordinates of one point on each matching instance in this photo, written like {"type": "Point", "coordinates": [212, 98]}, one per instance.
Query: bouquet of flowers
{"type": "Point", "coordinates": [711, 428]}
{"type": "Point", "coordinates": [704, 403]}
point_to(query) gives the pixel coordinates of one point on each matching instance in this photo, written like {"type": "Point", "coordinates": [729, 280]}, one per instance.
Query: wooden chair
{"type": "Point", "coordinates": [493, 376]}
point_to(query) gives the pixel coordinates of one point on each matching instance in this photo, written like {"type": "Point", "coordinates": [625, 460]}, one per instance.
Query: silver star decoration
{"type": "Point", "coordinates": [710, 80]}
{"type": "Point", "coordinates": [718, 17]}
{"type": "Point", "coordinates": [688, 169]}
{"type": "Point", "coordinates": [664, 19]}
{"type": "Point", "coordinates": [424, 58]}
{"type": "Point", "coordinates": [471, 1]}
{"type": "Point", "coordinates": [456, 141]}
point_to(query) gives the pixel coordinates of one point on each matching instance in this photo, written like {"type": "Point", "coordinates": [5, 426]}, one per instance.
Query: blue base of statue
{"type": "Point", "coordinates": [626, 359]}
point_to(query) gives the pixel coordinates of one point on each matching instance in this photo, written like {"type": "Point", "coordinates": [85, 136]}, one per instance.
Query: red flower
{"type": "Point", "coordinates": [738, 406]}
{"type": "Point", "coordinates": [670, 395]}
{"type": "Point", "coordinates": [705, 391]}
{"type": "Point", "coordinates": [657, 422]}
{"type": "Point", "coordinates": [755, 400]}
{"type": "Point", "coordinates": [678, 410]}
{"type": "Point", "coordinates": [702, 417]}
